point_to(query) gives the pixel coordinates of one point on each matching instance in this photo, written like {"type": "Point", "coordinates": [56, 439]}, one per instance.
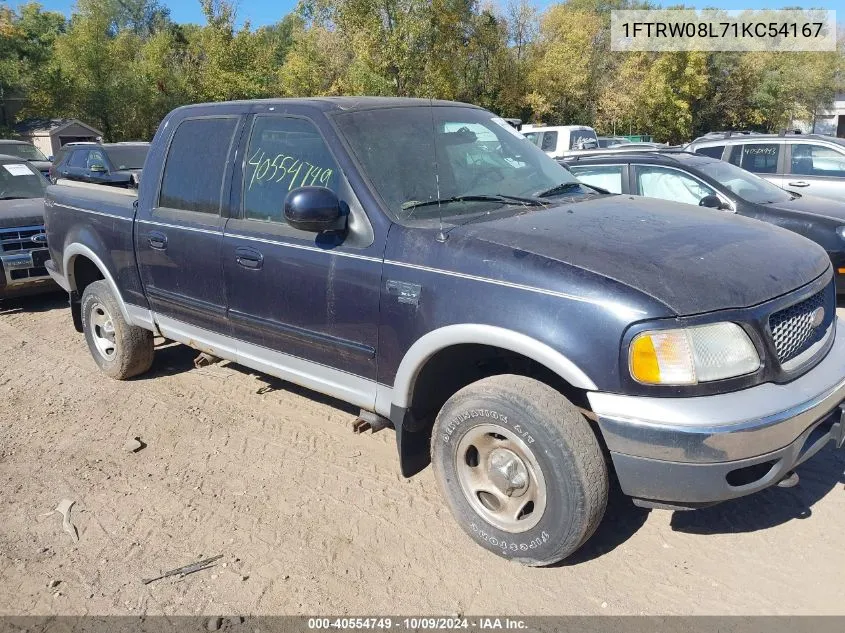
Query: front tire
{"type": "Point", "coordinates": [119, 349]}
{"type": "Point", "coordinates": [520, 468]}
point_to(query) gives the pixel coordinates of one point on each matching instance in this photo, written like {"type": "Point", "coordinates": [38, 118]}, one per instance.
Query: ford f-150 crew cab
{"type": "Point", "coordinates": [521, 331]}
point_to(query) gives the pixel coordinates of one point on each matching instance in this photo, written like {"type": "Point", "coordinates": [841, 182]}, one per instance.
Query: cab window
{"type": "Point", "coordinates": [196, 163]}
{"type": "Point", "coordinates": [284, 154]}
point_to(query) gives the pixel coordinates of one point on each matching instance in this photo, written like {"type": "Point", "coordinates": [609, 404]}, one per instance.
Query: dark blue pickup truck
{"type": "Point", "coordinates": [522, 332]}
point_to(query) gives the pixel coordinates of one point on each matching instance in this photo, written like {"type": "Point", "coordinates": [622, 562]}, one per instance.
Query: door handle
{"type": "Point", "coordinates": [800, 183]}
{"type": "Point", "coordinates": [157, 240]}
{"type": "Point", "coordinates": [249, 258]}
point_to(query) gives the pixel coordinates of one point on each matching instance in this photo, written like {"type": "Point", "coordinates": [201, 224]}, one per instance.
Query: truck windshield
{"type": "Point", "coordinates": [20, 180]}
{"type": "Point", "coordinates": [22, 150]}
{"type": "Point", "coordinates": [128, 157]}
{"type": "Point", "coordinates": [745, 184]}
{"type": "Point", "coordinates": [483, 164]}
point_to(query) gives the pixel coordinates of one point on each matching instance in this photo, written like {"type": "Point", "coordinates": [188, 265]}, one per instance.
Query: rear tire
{"type": "Point", "coordinates": [119, 349]}
{"type": "Point", "coordinates": [521, 469]}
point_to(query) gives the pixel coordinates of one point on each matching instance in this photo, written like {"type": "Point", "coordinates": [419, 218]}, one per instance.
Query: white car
{"type": "Point", "coordinates": [561, 140]}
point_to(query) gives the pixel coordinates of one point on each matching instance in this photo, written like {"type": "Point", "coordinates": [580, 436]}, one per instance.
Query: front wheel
{"type": "Point", "coordinates": [520, 468]}
{"type": "Point", "coordinates": [119, 349]}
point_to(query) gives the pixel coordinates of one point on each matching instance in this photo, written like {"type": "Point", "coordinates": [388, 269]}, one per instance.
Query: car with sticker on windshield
{"type": "Point", "coordinates": [23, 242]}
{"type": "Point", "coordinates": [522, 332]}
{"type": "Point", "coordinates": [709, 182]}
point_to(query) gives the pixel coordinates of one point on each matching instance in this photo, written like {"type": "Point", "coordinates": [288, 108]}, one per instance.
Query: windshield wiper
{"type": "Point", "coordinates": [533, 202]}
{"type": "Point", "coordinates": [558, 189]}
{"type": "Point", "coordinates": [13, 198]}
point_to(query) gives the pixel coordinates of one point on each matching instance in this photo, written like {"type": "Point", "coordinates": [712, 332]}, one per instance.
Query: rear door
{"type": "Point", "coordinates": [817, 169]}
{"type": "Point", "coordinates": [767, 160]}
{"type": "Point", "coordinates": [301, 304]}
{"type": "Point", "coordinates": [178, 239]}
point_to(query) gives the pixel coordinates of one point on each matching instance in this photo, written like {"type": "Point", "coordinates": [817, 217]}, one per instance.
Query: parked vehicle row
{"type": "Point", "coordinates": [709, 182]}
{"type": "Point", "coordinates": [522, 331]}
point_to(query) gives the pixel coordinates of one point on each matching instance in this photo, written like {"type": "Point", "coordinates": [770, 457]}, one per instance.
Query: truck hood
{"type": "Point", "coordinates": [25, 212]}
{"type": "Point", "coordinates": [692, 260]}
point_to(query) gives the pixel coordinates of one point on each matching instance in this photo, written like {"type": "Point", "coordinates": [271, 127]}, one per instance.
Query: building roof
{"type": "Point", "coordinates": [50, 126]}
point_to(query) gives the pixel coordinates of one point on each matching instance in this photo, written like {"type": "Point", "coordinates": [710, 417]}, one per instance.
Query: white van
{"type": "Point", "coordinates": [561, 140]}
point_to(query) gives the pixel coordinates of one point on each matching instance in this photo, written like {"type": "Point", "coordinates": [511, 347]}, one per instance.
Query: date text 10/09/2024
{"type": "Point", "coordinates": [417, 624]}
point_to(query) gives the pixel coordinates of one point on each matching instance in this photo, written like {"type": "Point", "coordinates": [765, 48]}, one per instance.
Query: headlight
{"type": "Point", "coordinates": [692, 355]}
{"type": "Point", "coordinates": [841, 232]}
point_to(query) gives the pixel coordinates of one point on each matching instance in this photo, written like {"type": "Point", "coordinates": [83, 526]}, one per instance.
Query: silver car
{"type": "Point", "coordinates": [805, 163]}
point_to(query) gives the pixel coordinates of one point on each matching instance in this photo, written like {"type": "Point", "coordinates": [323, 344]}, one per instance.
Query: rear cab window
{"type": "Point", "coordinates": [196, 163]}
{"type": "Point", "coordinates": [549, 142]}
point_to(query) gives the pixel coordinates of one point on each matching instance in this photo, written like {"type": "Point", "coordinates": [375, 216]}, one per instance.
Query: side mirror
{"type": "Point", "coordinates": [711, 202]}
{"type": "Point", "coordinates": [314, 209]}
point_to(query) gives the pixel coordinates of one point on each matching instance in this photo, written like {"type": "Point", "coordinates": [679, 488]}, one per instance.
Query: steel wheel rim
{"type": "Point", "coordinates": [501, 478]}
{"type": "Point", "coordinates": [102, 331]}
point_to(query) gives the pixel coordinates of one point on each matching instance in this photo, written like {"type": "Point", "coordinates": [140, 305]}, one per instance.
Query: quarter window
{"type": "Point", "coordinates": [284, 154]}
{"type": "Point", "coordinates": [196, 163]}
{"type": "Point", "coordinates": [758, 158]}
{"type": "Point", "coordinates": [817, 160]}
{"type": "Point", "coordinates": [606, 176]}
{"type": "Point", "coordinates": [670, 184]}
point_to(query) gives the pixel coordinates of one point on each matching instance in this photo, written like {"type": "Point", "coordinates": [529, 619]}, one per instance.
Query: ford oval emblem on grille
{"type": "Point", "coordinates": [817, 317]}
{"type": "Point", "coordinates": [40, 238]}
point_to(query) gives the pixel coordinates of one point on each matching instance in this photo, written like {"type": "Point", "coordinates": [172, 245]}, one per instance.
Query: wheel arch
{"type": "Point", "coordinates": [424, 349]}
{"type": "Point", "coordinates": [450, 358]}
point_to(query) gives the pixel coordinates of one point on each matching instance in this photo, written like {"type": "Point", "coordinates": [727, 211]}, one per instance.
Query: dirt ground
{"type": "Point", "coordinates": [312, 519]}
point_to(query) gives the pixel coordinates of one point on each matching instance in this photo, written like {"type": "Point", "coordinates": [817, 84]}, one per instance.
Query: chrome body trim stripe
{"type": "Point", "coordinates": [344, 386]}
{"type": "Point", "coordinates": [179, 227]}
{"type": "Point", "coordinates": [617, 308]}
{"type": "Point", "coordinates": [100, 213]}
{"type": "Point", "coordinates": [304, 247]}
{"type": "Point", "coordinates": [724, 427]}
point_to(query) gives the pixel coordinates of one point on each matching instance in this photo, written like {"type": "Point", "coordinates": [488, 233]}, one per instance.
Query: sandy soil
{"type": "Point", "coordinates": [313, 519]}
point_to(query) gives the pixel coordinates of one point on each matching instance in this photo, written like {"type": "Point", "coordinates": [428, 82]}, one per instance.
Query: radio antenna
{"type": "Point", "coordinates": [441, 236]}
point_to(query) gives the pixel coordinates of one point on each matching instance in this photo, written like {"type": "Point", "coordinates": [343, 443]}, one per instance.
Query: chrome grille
{"type": "Point", "coordinates": [20, 239]}
{"type": "Point", "coordinates": [792, 328]}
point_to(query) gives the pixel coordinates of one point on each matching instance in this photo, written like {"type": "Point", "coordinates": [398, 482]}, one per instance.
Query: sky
{"type": "Point", "coordinates": [261, 12]}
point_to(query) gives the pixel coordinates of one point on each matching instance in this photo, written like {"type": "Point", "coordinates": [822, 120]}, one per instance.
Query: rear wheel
{"type": "Point", "coordinates": [119, 349]}
{"type": "Point", "coordinates": [520, 468]}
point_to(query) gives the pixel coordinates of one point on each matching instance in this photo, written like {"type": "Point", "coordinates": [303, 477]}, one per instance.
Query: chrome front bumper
{"type": "Point", "coordinates": [23, 269]}
{"type": "Point", "coordinates": [686, 449]}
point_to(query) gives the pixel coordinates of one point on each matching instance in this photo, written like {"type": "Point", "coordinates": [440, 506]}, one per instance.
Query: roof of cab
{"type": "Point", "coordinates": [336, 104]}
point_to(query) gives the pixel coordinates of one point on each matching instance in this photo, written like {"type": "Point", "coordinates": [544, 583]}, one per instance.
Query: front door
{"type": "Point", "coordinates": [178, 241]}
{"type": "Point", "coordinates": [301, 305]}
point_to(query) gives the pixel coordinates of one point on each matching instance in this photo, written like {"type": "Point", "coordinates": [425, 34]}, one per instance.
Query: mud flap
{"type": "Point", "coordinates": [414, 446]}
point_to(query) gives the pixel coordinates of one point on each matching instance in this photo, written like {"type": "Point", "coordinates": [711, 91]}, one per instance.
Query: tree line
{"type": "Point", "coordinates": [121, 65]}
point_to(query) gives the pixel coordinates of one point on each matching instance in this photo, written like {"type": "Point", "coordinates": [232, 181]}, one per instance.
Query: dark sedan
{"type": "Point", "coordinates": [115, 164]}
{"type": "Point", "coordinates": [709, 182]}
